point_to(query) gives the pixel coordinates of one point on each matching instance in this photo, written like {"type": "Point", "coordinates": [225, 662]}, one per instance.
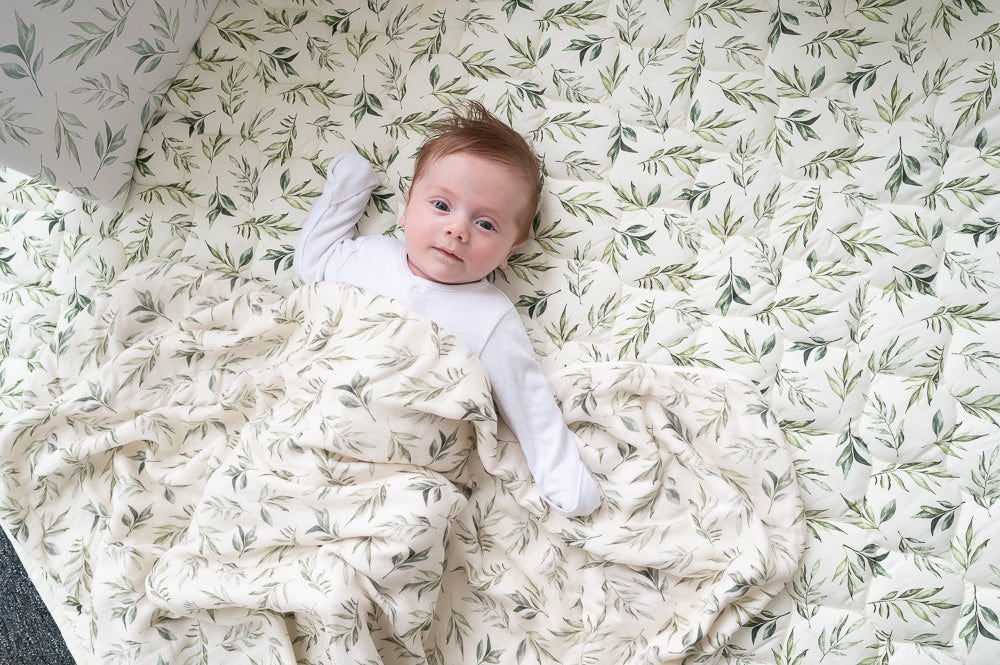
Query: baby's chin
{"type": "Point", "coordinates": [443, 276]}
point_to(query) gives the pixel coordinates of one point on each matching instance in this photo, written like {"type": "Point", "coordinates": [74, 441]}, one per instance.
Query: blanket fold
{"type": "Point", "coordinates": [321, 478]}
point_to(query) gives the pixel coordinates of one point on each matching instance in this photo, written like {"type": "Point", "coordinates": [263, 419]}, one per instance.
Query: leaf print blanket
{"type": "Point", "coordinates": [222, 474]}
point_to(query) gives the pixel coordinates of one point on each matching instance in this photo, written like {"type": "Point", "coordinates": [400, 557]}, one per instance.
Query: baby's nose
{"type": "Point", "coordinates": [457, 229]}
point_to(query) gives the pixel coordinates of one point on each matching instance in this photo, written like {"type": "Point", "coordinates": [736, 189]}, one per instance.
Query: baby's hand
{"type": "Point", "coordinates": [582, 500]}
{"type": "Point", "coordinates": [348, 174]}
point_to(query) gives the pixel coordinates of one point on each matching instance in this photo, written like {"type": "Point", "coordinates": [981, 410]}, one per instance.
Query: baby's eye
{"type": "Point", "coordinates": [440, 205]}
{"type": "Point", "coordinates": [485, 224]}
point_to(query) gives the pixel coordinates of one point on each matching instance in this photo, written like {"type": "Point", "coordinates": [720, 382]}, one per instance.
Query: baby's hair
{"type": "Point", "coordinates": [470, 128]}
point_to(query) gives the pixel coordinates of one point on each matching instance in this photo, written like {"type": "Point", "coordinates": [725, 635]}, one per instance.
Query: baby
{"type": "Point", "coordinates": [475, 190]}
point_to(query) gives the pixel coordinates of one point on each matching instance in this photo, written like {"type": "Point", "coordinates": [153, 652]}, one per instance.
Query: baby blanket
{"type": "Point", "coordinates": [320, 478]}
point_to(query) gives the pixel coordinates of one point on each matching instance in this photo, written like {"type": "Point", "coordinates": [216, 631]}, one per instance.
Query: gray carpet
{"type": "Point", "coordinates": [28, 635]}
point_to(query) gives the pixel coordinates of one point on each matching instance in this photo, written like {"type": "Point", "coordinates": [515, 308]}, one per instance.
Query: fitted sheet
{"type": "Point", "coordinates": [803, 194]}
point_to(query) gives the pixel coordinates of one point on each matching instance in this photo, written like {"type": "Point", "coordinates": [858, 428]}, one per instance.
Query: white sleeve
{"type": "Point", "coordinates": [349, 183]}
{"type": "Point", "coordinates": [525, 401]}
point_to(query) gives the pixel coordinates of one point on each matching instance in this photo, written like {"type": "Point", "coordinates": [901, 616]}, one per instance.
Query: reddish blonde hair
{"type": "Point", "coordinates": [470, 128]}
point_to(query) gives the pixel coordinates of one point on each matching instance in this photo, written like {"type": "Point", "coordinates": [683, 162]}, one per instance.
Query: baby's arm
{"type": "Point", "coordinates": [349, 183]}
{"type": "Point", "coordinates": [525, 401]}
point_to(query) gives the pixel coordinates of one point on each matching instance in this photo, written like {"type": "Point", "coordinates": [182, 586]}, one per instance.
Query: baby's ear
{"type": "Point", "coordinates": [406, 202]}
{"type": "Point", "coordinates": [503, 264]}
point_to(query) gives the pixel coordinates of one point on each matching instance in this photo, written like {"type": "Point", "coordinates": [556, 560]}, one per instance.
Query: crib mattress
{"type": "Point", "coordinates": [802, 194]}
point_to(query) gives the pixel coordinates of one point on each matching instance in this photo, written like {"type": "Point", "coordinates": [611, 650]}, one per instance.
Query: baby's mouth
{"type": "Point", "coordinates": [450, 255]}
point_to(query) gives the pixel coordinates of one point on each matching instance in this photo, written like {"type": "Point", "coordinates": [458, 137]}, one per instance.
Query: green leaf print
{"type": "Point", "coordinates": [735, 289]}
{"type": "Point", "coordinates": [107, 144]}
{"type": "Point", "coordinates": [901, 167]}
{"type": "Point", "coordinates": [11, 123]}
{"type": "Point", "coordinates": [95, 39]}
{"type": "Point", "coordinates": [29, 63]}
{"type": "Point", "coordinates": [572, 14]}
{"type": "Point", "coordinates": [864, 78]}
{"type": "Point", "coordinates": [781, 24]}
{"type": "Point", "coordinates": [356, 396]}
{"type": "Point", "coordinates": [982, 622]}
{"type": "Point", "coordinates": [734, 12]}
{"type": "Point", "coordinates": [67, 133]}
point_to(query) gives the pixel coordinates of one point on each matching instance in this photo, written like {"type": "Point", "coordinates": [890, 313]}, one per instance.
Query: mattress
{"type": "Point", "coordinates": [798, 195]}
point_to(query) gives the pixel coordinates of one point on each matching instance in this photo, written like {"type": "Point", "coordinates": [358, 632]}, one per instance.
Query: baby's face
{"type": "Point", "coordinates": [461, 218]}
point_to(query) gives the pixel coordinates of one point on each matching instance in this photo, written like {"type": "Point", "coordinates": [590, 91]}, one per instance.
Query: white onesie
{"type": "Point", "coordinates": [479, 314]}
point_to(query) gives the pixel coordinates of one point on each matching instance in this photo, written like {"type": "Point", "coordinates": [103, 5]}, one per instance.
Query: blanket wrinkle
{"type": "Point", "coordinates": [244, 463]}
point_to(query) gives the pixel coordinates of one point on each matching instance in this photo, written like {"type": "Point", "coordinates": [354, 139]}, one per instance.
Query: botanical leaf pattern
{"type": "Point", "coordinates": [257, 457]}
{"type": "Point", "coordinates": [800, 192]}
{"type": "Point", "coordinates": [79, 83]}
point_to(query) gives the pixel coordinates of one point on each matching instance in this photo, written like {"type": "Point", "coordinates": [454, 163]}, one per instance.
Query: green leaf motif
{"type": "Point", "coordinates": [29, 63]}
{"type": "Point", "coordinates": [67, 134]}
{"type": "Point", "coordinates": [11, 125]}
{"type": "Point", "coordinates": [589, 48]}
{"type": "Point", "coordinates": [95, 39]}
{"type": "Point", "coordinates": [734, 12]}
{"type": "Point", "coordinates": [982, 622]}
{"type": "Point", "coordinates": [864, 78]}
{"type": "Point", "coordinates": [781, 24]}
{"type": "Point", "coordinates": [901, 167]}
{"type": "Point", "coordinates": [941, 516]}
{"type": "Point", "coordinates": [735, 289]}
{"type": "Point", "coordinates": [107, 144]}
